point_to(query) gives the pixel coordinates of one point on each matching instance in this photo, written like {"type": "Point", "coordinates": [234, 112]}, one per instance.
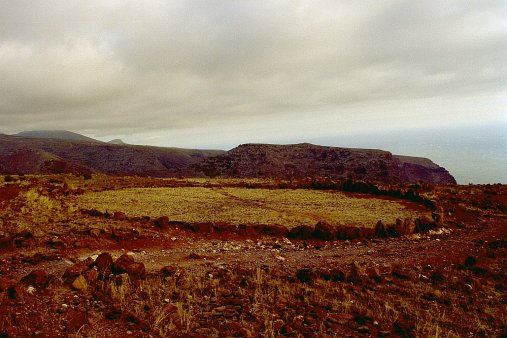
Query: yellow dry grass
{"type": "Point", "coordinates": [290, 207]}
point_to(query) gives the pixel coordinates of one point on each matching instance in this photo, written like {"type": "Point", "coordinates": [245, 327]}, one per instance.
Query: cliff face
{"type": "Point", "coordinates": [304, 160]}
{"type": "Point", "coordinates": [19, 155]}
{"type": "Point", "coordinates": [415, 169]}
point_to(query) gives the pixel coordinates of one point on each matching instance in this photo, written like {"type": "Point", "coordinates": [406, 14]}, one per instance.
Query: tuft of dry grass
{"type": "Point", "coordinates": [239, 302]}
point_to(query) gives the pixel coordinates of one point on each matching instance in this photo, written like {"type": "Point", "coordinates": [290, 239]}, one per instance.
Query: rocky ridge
{"type": "Point", "coordinates": [304, 160]}
{"type": "Point", "coordinates": [31, 155]}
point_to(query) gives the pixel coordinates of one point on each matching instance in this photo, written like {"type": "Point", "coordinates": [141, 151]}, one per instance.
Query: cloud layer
{"type": "Point", "coordinates": [215, 72]}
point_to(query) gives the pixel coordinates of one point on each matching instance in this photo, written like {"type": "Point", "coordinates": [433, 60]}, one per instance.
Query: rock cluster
{"type": "Point", "coordinates": [102, 268]}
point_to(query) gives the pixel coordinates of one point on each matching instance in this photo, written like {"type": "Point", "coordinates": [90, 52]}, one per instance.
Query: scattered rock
{"type": "Point", "coordinates": [380, 230]}
{"type": "Point", "coordinates": [91, 275]}
{"type": "Point", "coordinates": [14, 292]}
{"type": "Point", "coordinates": [119, 216]}
{"type": "Point", "coordinates": [392, 229]}
{"type": "Point", "coordinates": [275, 230]}
{"type": "Point", "coordinates": [301, 232]}
{"type": "Point", "coordinates": [401, 273]}
{"type": "Point", "coordinates": [424, 224]}
{"type": "Point", "coordinates": [94, 213]}
{"type": "Point", "coordinates": [94, 232]}
{"type": "Point", "coordinates": [171, 271]}
{"type": "Point", "coordinates": [5, 240]}
{"type": "Point", "coordinates": [72, 272]}
{"type": "Point", "coordinates": [80, 283]}
{"type": "Point", "coordinates": [168, 271]}
{"type": "Point", "coordinates": [6, 283]}
{"type": "Point", "coordinates": [126, 264]}
{"type": "Point", "coordinates": [470, 261]}
{"type": "Point", "coordinates": [251, 229]}
{"type": "Point", "coordinates": [121, 264]}
{"type": "Point", "coordinates": [202, 227]}
{"type": "Point", "coordinates": [124, 235]}
{"type": "Point", "coordinates": [23, 239]}
{"type": "Point", "coordinates": [333, 274]}
{"type": "Point", "coordinates": [84, 243]}
{"type": "Point", "coordinates": [162, 222]}
{"type": "Point", "coordinates": [31, 290]}
{"type": "Point", "coordinates": [193, 255]}
{"type": "Point", "coordinates": [324, 231]}
{"type": "Point", "coordinates": [480, 269]}
{"type": "Point", "coordinates": [348, 232]}
{"type": "Point", "coordinates": [104, 263]}
{"type": "Point", "coordinates": [366, 233]}
{"type": "Point", "coordinates": [409, 226]}
{"type": "Point", "coordinates": [38, 278]}
{"type": "Point", "coordinates": [57, 243]}
{"type": "Point", "coordinates": [305, 275]}
{"type": "Point", "coordinates": [437, 277]}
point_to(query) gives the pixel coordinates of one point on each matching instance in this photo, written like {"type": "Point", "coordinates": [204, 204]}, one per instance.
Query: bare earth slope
{"type": "Point", "coordinates": [33, 155]}
{"type": "Point", "coordinates": [308, 160]}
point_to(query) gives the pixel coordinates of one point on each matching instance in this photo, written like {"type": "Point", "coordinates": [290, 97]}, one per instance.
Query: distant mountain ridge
{"type": "Point", "coordinates": [30, 155]}
{"type": "Point", "coordinates": [45, 155]}
{"type": "Point", "coordinates": [116, 141]}
{"type": "Point", "coordinates": [307, 160]}
{"type": "Point", "coordinates": [56, 134]}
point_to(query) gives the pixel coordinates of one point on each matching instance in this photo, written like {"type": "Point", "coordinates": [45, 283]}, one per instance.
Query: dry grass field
{"type": "Point", "coordinates": [289, 207]}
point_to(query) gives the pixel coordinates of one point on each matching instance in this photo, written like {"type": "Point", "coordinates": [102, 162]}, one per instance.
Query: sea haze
{"type": "Point", "coordinates": [471, 154]}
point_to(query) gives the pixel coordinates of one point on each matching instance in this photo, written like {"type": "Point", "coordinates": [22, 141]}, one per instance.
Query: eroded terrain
{"type": "Point", "coordinates": [105, 256]}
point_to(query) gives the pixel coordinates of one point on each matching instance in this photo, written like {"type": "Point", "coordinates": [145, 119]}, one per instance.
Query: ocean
{"type": "Point", "coordinates": [472, 154]}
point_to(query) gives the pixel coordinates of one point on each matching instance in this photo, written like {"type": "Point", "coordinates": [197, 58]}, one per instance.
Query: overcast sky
{"type": "Point", "coordinates": [219, 73]}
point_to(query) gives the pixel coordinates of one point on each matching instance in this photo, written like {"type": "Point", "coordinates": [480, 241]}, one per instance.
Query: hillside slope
{"type": "Point", "coordinates": [33, 155]}
{"type": "Point", "coordinates": [303, 160]}
{"type": "Point", "coordinates": [42, 155]}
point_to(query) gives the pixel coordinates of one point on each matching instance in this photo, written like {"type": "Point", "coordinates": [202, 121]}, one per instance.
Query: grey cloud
{"type": "Point", "coordinates": [131, 67]}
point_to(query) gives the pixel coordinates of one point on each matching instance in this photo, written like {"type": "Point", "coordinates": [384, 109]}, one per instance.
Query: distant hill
{"type": "Point", "coordinates": [307, 160]}
{"type": "Point", "coordinates": [29, 155]}
{"type": "Point", "coordinates": [56, 134]}
{"type": "Point", "coordinates": [116, 141]}
{"type": "Point", "coordinates": [40, 155]}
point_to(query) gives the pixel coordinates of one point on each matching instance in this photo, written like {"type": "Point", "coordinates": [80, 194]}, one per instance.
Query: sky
{"type": "Point", "coordinates": [214, 74]}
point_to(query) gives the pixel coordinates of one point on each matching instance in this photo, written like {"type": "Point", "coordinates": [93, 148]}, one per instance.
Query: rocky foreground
{"type": "Point", "coordinates": [70, 272]}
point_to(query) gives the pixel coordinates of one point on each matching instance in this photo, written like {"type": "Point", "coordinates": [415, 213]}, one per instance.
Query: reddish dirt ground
{"type": "Point", "coordinates": [432, 279]}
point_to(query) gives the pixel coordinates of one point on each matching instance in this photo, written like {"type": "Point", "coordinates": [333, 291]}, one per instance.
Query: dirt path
{"type": "Point", "coordinates": [200, 252]}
